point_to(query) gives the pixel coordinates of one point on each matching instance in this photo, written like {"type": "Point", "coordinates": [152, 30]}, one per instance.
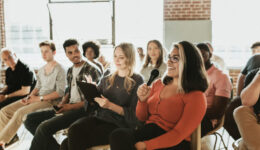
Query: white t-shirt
{"type": "Point", "coordinates": [74, 92]}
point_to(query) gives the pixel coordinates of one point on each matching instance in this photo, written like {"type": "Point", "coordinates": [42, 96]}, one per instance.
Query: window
{"type": "Point", "coordinates": [235, 26]}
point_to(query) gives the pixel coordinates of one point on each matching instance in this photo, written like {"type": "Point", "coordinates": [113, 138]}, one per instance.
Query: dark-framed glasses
{"type": "Point", "coordinates": [173, 59]}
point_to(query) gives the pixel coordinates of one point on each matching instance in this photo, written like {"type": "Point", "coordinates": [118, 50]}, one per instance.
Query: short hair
{"type": "Point", "coordinates": [203, 46]}
{"type": "Point", "coordinates": [256, 44]}
{"type": "Point", "coordinates": [94, 45]}
{"type": "Point", "coordinates": [192, 73]}
{"type": "Point", "coordinates": [48, 43]}
{"type": "Point", "coordinates": [70, 42]}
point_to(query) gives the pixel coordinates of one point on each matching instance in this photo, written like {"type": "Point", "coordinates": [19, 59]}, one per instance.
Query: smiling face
{"type": "Point", "coordinates": [205, 55]}
{"type": "Point", "coordinates": [73, 53]}
{"type": "Point", "coordinates": [120, 59]}
{"type": "Point", "coordinates": [47, 53]}
{"type": "Point", "coordinates": [173, 63]}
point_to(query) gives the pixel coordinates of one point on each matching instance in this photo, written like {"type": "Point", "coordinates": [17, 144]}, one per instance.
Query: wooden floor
{"type": "Point", "coordinates": [207, 142]}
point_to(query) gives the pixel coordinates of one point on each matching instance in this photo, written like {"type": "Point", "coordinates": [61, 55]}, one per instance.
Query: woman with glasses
{"type": "Point", "coordinates": [154, 59]}
{"type": "Point", "coordinates": [171, 108]}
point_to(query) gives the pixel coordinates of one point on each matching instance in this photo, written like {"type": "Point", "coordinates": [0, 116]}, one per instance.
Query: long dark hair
{"type": "Point", "coordinates": [148, 58]}
{"type": "Point", "coordinates": [192, 73]}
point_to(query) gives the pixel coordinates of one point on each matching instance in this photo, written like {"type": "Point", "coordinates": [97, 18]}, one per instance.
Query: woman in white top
{"type": "Point", "coordinates": [154, 59]}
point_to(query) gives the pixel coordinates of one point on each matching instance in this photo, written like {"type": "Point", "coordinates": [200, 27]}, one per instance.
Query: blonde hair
{"type": "Point", "coordinates": [181, 67]}
{"type": "Point", "coordinates": [129, 52]}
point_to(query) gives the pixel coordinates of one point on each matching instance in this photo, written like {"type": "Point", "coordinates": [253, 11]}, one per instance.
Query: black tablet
{"type": "Point", "coordinates": [89, 90]}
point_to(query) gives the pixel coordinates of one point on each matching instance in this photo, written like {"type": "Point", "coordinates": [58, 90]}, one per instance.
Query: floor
{"type": "Point", "coordinates": [207, 142]}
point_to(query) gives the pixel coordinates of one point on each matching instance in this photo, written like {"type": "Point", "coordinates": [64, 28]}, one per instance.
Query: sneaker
{"type": "Point", "coordinates": [14, 139]}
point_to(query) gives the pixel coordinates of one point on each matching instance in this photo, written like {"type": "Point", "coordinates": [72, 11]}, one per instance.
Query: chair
{"type": "Point", "coordinates": [235, 144]}
{"type": "Point", "coordinates": [196, 139]}
{"type": "Point", "coordinates": [195, 142]}
{"type": "Point", "coordinates": [214, 132]}
{"type": "Point", "coordinates": [100, 147]}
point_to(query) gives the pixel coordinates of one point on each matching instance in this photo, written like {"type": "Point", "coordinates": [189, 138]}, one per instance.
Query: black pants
{"type": "Point", "coordinates": [206, 126]}
{"type": "Point", "coordinates": [43, 135]}
{"type": "Point", "coordinates": [87, 132]}
{"type": "Point", "coordinates": [229, 123]}
{"type": "Point", "coordinates": [125, 139]}
{"type": "Point", "coordinates": [9, 101]}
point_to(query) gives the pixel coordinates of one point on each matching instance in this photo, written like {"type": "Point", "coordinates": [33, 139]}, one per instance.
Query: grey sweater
{"type": "Point", "coordinates": [118, 95]}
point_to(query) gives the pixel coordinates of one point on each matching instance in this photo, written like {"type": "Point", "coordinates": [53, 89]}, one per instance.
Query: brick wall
{"type": "Point", "coordinates": [2, 37]}
{"type": "Point", "coordinates": [187, 9]}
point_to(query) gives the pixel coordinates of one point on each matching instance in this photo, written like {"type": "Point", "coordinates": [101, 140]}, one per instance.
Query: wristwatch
{"type": "Point", "coordinates": [41, 98]}
{"type": "Point", "coordinates": [6, 96]}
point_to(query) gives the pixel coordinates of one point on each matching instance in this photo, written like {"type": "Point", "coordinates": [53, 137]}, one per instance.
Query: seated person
{"type": "Point", "coordinates": [247, 116]}
{"type": "Point", "coordinates": [252, 63]}
{"type": "Point", "coordinates": [217, 60]}
{"type": "Point", "coordinates": [217, 94]}
{"type": "Point", "coordinates": [91, 52]}
{"type": "Point", "coordinates": [171, 109]}
{"type": "Point", "coordinates": [154, 59]}
{"type": "Point", "coordinates": [44, 124]}
{"type": "Point", "coordinates": [49, 89]}
{"type": "Point", "coordinates": [105, 64]}
{"type": "Point", "coordinates": [117, 105]}
{"type": "Point", "coordinates": [19, 79]}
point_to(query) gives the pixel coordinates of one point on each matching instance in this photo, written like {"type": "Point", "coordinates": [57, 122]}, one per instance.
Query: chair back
{"type": "Point", "coordinates": [196, 139]}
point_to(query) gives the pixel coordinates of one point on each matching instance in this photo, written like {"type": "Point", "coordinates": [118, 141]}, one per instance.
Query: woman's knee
{"type": "Point", "coordinates": [120, 133]}
{"type": "Point", "coordinates": [240, 112]}
{"type": "Point", "coordinates": [75, 128]}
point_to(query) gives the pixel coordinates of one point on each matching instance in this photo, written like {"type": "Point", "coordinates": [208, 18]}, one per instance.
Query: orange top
{"type": "Point", "coordinates": [179, 115]}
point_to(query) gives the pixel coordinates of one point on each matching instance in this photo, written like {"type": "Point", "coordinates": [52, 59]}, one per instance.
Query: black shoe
{"type": "Point", "coordinates": [14, 139]}
{"type": "Point", "coordinates": [2, 147]}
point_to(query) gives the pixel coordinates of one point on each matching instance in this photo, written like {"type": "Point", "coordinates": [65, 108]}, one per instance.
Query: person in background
{"type": "Point", "coordinates": [49, 89]}
{"type": "Point", "coordinates": [252, 63]}
{"type": "Point", "coordinates": [154, 59]}
{"type": "Point", "coordinates": [117, 104]}
{"type": "Point", "coordinates": [91, 52]}
{"type": "Point", "coordinates": [19, 78]}
{"type": "Point", "coordinates": [217, 60]}
{"type": "Point", "coordinates": [172, 108]}
{"type": "Point", "coordinates": [140, 53]}
{"type": "Point", "coordinates": [218, 93]}
{"type": "Point", "coordinates": [247, 116]}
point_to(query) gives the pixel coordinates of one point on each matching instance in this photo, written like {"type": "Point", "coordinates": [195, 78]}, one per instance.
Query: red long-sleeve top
{"type": "Point", "coordinates": [178, 115]}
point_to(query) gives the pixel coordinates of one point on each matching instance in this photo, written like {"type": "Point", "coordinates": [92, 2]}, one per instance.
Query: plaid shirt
{"type": "Point", "coordinates": [87, 69]}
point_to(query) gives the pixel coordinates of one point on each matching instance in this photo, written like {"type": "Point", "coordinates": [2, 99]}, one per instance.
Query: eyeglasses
{"type": "Point", "coordinates": [173, 59]}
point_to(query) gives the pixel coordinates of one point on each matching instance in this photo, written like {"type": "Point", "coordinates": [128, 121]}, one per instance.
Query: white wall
{"type": "Point", "coordinates": [139, 21]}
{"type": "Point", "coordinates": [194, 31]}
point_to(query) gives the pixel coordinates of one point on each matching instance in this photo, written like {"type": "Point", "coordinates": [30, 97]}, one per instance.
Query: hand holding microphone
{"type": "Point", "coordinates": [144, 90]}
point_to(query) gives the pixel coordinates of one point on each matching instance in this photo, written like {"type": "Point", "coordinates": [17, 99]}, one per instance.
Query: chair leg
{"type": "Point", "coordinates": [215, 141]}
{"type": "Point", "coordinates": [221, 138]}
{"type": "Point", "coordinates": [222, 134]}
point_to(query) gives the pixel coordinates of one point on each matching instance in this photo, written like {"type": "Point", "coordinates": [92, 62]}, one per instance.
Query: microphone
{"type": "Point", "coordinates": [154, 75]}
